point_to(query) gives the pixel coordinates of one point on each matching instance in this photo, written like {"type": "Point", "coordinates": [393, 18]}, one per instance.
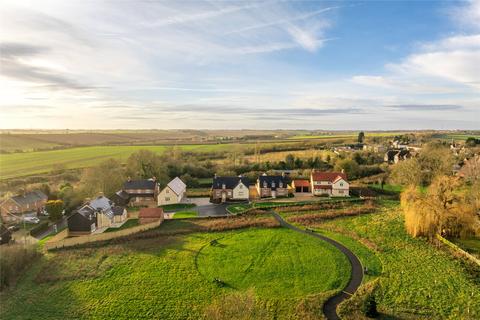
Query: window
{"type": "Point", "coordinates": [265, 184]}
{"type": "Point", "coordinates": [241, 186]}
{"type": "Point", "coordinates": [280, 184]}
{"type": "Point", "coordinates": [229, 193]}
{"type": "Point", "coordinates": [166, 191]}
{"type": "Point", "coordinates": [340, 191]}
{"type": "Point", "coordinates": [167, 199]}
{"type": "Point", "coordinates": [273, 184]}
{"type": "Point", "coordinates": [341, 184]}
{"type": "Point", "coordinates": [223, 186]}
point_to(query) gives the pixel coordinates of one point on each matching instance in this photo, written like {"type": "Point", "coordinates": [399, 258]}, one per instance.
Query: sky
{"type": "Point", "coordinates": [319, 65]}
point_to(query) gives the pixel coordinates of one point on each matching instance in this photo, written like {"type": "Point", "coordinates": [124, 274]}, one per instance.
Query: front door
{"type": "Point", "coordinates": [224, 197]}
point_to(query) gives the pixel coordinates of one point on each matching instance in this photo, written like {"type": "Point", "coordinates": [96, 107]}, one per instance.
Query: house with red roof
{"type": "Point", "coordinates": [332, 184]}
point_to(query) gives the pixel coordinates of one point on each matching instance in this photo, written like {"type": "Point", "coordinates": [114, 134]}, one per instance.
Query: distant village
{"type": "Point", "coordinates": [96, 215]}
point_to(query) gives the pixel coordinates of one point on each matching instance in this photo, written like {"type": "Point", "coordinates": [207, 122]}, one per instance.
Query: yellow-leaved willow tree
{"type": "Point", "coordinates": [446, 207]}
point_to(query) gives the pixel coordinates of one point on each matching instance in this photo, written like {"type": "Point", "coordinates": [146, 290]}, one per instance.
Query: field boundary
{"type": "Point", "coordinates": [70, 242]}
{"type": "Point", "coordinates": [458, 250]}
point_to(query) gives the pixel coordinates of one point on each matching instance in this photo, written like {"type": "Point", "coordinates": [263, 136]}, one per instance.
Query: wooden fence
{"type": "Point", "coordinates": [70, 242]}
{"type": "Point", "coordinates": [458, 250]}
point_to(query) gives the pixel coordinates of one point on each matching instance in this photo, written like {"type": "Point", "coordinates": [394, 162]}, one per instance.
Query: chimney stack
{"type": "Point", "coordinates": [129, 179]}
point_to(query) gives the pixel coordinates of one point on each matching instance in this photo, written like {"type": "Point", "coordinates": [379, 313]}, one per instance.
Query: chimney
{"type": "Point", "coordinates": [215, 176]}
{"type": "Point", "coordinates": [283, 174]}
{"type": "Point", "coordinates": [154, 178]}
{"type": "Point", "coordinates": [343, 170]}
{"type": "Point", "coordinates": [129, 179]}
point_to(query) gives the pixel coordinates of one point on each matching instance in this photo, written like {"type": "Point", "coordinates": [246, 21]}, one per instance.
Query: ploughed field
{"type": "Point", "coordinates": [173, 277]}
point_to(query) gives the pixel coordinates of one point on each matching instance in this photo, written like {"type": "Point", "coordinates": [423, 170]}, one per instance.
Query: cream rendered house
{"type": "Point", "coordinates": [241, 191]}
{"type": "Point", "coordinates": [174, 192]}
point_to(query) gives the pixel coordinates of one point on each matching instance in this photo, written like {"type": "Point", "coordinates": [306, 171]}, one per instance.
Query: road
{"type": "Point", "coordinates": [207, 209]}
{"type": "Point", "coordinates": [330, 307]}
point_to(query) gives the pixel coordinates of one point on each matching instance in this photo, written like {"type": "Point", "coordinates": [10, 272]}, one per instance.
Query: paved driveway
{"type": "Point", "coordinates": [206, 209]}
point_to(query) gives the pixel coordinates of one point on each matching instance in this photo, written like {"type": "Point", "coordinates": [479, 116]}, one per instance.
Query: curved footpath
{"type": "Point", "coordinates": [330, 307]}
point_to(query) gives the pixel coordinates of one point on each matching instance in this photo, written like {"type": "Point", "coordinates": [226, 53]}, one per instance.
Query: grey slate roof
{"type": "Point", "coordinates": [118, 211]}
{"type": "Point", "coordinates": [139, 184]}
{"type": "Point", "coordinates": [229, 182]}
{"type": "Point", "coordinates": [177, 186]}
{"type": "Point", "coordinates": [273, 182]}
{"type": "Point", "coordinates": [103, 205]}
{"type": "Point", "coordinates": [30, 197]}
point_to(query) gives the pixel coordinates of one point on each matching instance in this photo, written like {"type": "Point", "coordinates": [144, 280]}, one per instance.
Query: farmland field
{"type": "Point", "coordinates": [418, 280]}
{"type": "Point", "coordinates": [30, 163]}
{"type": "Point", "coordinates": [172, 277]}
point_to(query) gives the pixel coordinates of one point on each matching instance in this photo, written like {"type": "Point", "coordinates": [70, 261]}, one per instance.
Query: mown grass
{"type": "Point", "coordinates": [177, 206]}
{"type": "Point", "coordinates": [418, 279]}
{"type": "Point", "coordinates": [185, 214]}
{"type": "Point", "coordinates": [238, 207]}
{"type": "Point", "coordinates": [171, 277]}
{"type": "Point", "coordinates": [128, 224]}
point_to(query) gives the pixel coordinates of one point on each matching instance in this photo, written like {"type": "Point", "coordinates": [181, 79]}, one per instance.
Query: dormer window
{"type": "Point", "coordinates": [273, 184]}
{"type": "Point", "coordinates": [341, 184]}
{"type": "Point", "coordinates": [265, 184]}
{"type": "Point", "coordinates": [280, 184]}
{"type": "Point", "coordinates": [224, 186]}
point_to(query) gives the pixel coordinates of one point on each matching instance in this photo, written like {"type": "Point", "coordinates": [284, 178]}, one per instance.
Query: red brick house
{"type": "Point", "coordinates": [31, 202]}
{"type": "Point", "coordinates": [333, 184]}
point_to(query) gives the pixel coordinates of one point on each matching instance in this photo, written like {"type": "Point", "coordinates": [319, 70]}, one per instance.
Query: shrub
{"type": "Point", "coordinates": [14, 261]}
{"type": "Point", "coordinates": [370, 307]}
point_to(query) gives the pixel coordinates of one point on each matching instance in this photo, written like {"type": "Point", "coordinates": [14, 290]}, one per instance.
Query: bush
{"type": "Point", "coordinates": [42, 227]}
{"type": "Point", "coordinates": [15, 259]}
{"type": "Point", "coordinates": [370, 307]}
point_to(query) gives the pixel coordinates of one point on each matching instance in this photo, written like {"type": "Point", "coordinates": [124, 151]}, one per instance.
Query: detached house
{"type": "Point", "coordinates": [230, 188]}
{"type": "Point", "coordinates": [31, 202]}
{"type": "Point", "coordinates": [333, 184]}
{"type": "Point", "coordinates": [395, 156]}
{"type": "Point", "coordinates": [272, 186]}
{"type": "Point", "coordinates": [82, 221]}
{"type": "Point", "coordinates": [96, 214]}
{"type": "Point", "coordinates": [174, 192]}
{"type": "Point", "coordinates": [141, 193]}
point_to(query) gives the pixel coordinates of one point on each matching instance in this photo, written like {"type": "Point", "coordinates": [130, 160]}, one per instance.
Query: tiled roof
{"type": "Point", "coordinates": [273, 182]}
{"type": "Point", "coordinates": [30, 197]}
{"type": "Point", "coordinates": [139, 184]}
{"type": "Point", "coordinates": [328, 176]}
{"type": "Point", "coordinates": [301, 183]}
{"type": "Point", "coordinates": [150, 213]}
{"type": "Point", "coordinates": [229, 182]}
{"type": "Point", "coordinates": [177, 186]}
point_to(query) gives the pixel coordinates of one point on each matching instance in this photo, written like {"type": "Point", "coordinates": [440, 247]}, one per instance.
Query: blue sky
{"type": "Point", "coordinates": [371, 65]}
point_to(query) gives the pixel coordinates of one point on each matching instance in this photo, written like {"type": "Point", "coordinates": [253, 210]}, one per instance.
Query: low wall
{"type": "Point", "coordinates": [70, 242]}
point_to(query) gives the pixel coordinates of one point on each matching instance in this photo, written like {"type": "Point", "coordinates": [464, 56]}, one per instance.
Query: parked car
{"type": "Point", "coordinates": [13, 228]}
{"type": "Point", "coordinates": [31, 219]}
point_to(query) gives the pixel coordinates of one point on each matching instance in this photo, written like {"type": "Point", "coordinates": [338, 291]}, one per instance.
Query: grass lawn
{"type": "Point", "coordinates": [418, 279]}
{"type": "Point", "coordinates": [387, 187]}
{"type": "Point", "coordinates": [128, 224]}
{"type": "Point", "coordinates": [171, 277]}
{"type": "Point", "coordinates": [185, 214]}
{"type": "Point", "coordinates": [238, 208]}
{"type": "Point", "coordinates": [177, 206]}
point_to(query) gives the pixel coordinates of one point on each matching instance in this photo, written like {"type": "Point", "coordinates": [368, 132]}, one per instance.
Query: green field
{"type": "Point", "coordinates": [29, 163]}
{"type": "Point", "coordinates": [418, 279]}
{"type": "Point", "coordinates": [172, 277]}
